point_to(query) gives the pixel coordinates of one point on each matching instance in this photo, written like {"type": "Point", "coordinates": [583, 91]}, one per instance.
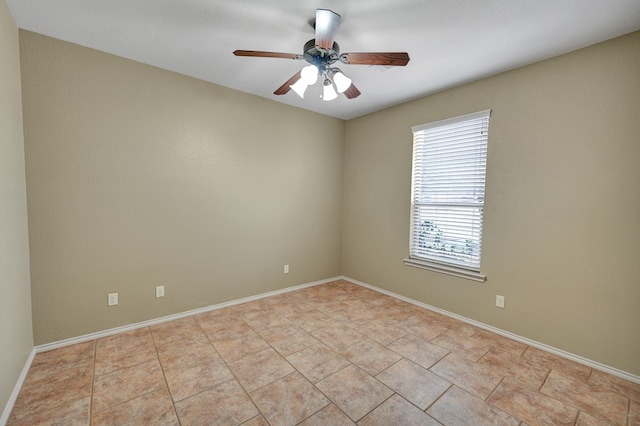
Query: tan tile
{"type": "Point", "coordinates": [289, 400]}
{"type": "Point", "coordinates": [250, 309]}
{"type": "Point", "coordinates": [291, 308]}
{"type": "Point", "coordinates": [310, 320]}
{"type": "Point", "coordinates": [75, 413]}
{"type": "Point", "coordinates": [184, 350]}
{"type": "Point", "coordinates": [281, 299]}
{"type": "Point", "coordinates": [224, 329]}
{"type": "Point", "coordinates": [58, 389]}
{"type": "Point", "coordinates": [461, 345]}
{"type": "Point", "coordinates": [585, 419]}
{"type": "Point", "coordinates": [623, 387]}
{"type": "Point", "coordinates": [592, 399]}
{"type": "Point", "coordinates": [382, 300]}
{"type": "Point", "coordinates": [340, 297]}
{"type": "Point", "coordinates": [195, 376]}
{"type": "Point", "coordinates": [531, 406]}
{"type": "Point", "coordinates": [225, 404]}
{"type": "Point", "coordinates": [418, 350]}
{"type": "Point", "coordinates": [236, 346]}
{"type": "Point", "coordinates": [354, 391]}
{"type": "Point", "coordinates": [416, 384]}
{"type": "Point", "coordinates": [421, 312]}
{"type": "Point", "coordinates": [397, 411]}
{"type": "Point", "coordinates": [330, 415]}
{"type": "Point", "coordinates": [184, 328]}
{"type": "Point", "coordinates": [372, 357]}
{"type": "Point", "coordinates": [499, 342]}
{"type": "Point", "coordinates": [290, 340]}
{"type": "Point", "coordinates": [351, 317]}
{"type": "Point", "coordinates": [329, 305]}
{"type": "Point", "coordinates": [317, 362]}
{"type": "Point", "coordinates": [123, 350]}
{"type": "Point", "coordinates": [420, 327]}
{"type": "Point", "coordinates": [478, 379]}
{"type": "Point", "coordinates": [455, 325]}
{"type": "Point", "coordinates": [151, 409]}
{"type": "Point", "coordinates": [554, 362]}
{"type": "Point", "coordinates": [634, 413]}
{"type": "Point", "coordinates": [338, 337]}
{"type": "Point", "coordinates": [218, 319]}
{"type": "Point", "coordinates": [125, 384]}
{"type": "Point", "coordinates": [69, 357]}
{"type": "Point", "coordinates": [516, 367]}
{"type": "Point", "coordinates": [458, 407]}
{"type": "Point", "coordinates": [260, 369]}
{"type": "Point", "coordinates": [256, 421]}
{"type": "Point", "coordinates": [381, 331]}
{"type": "Point", "coordinates": [265, 323]}
{"type": "Point", "coordinates": [391, 314]}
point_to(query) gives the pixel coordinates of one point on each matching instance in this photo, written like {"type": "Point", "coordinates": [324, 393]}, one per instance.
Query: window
{"type": "Point", "coordinates": [447, 195]}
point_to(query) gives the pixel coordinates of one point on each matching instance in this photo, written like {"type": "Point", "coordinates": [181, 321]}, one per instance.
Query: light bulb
{"type": "Point", "coordinates": [309, 74]}
{"type": "Point", "coordinates": [328, 92]}
{"type": "Point", "coordinates": [299, 87]}
{"type": "Point", "coordinates": [342, 81]}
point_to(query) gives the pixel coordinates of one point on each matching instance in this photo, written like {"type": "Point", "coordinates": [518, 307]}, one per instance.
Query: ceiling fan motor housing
{"type": "Point", "coordinates": [321, 58]}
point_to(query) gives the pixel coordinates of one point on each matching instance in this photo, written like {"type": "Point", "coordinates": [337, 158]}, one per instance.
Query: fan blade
{"type": "Point", "coordinates": [262, 54]}
{"type": "Point", "coordinates": [393, 59]}
{"type": "Point", "coordinates": [326, 27]}
{"type": "Point", "coordinates": [287, 85]}
{"type": "Point", "coordinates": [351, 92]}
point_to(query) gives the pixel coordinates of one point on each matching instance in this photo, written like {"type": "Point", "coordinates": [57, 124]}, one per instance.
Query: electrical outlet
{"type": "Point", "coordinates": [499, 301]}
{"type": "Point", "coordinates": [113, 299]}
{"type": "Point", "coordinates": [286, 269]}
{"type": "Point", "coordinates": [160, 291]}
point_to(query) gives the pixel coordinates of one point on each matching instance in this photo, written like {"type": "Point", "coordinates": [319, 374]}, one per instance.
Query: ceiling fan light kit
{"type": "Point", "coordinates": [321, 53]}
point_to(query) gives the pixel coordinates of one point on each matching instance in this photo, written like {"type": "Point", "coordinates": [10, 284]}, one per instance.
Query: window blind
{"type": "Point", "coordinates": [448, 187]}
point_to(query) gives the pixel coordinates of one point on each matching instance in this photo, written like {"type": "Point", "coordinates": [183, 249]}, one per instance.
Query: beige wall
{"type": "Point", "coordinates": [562, 216]}
{"type": "Point", "coordinates": [16, 339]}
{"type": "Point", "coordinates": [139, 177]}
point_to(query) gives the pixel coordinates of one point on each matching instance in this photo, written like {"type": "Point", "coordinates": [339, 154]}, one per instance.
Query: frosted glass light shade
{"type": "Point", "coordinates": [299, 87]}
{"type": "Point", "coordinates": [342, 82]}
{"type": "Point", "coordinates": [328, 92]}
{"type": "Point", "coordinates": [309, 74]}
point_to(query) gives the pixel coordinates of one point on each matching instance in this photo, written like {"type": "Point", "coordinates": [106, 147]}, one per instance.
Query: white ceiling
{"type": "Point", "coordinates": [450, 42]}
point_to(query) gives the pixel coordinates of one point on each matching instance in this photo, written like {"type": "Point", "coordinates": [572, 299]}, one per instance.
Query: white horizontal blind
{"type": "Point", "coordinates": [449, 165]}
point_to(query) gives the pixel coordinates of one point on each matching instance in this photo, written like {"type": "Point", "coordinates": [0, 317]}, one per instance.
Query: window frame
{"type": "Point", "coordinates": [457, 267]}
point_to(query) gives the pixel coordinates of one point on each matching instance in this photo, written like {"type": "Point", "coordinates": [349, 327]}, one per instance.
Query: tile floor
{"type": "Point", "coordinates": [333, 354]}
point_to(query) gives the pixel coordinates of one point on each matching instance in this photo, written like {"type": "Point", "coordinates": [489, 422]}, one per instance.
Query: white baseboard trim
{"type": "Point", "coordinates": [97, 335]}
{"type": "Point", "coordinates": [581, 360]}
{"type": "Point", "coordinates": [16, 389]}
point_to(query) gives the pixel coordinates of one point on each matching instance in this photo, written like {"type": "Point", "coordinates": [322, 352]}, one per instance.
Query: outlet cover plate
{"type": "Point", "coordinates": [500, 301]}
{"type": "Point", "coordinates": [160, 291]}
{"type": "Point", "coordinates": [112, 299]}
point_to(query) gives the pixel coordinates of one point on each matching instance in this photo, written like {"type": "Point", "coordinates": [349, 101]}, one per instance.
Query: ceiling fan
{"type": "Point", "coordinates": [322, 53]}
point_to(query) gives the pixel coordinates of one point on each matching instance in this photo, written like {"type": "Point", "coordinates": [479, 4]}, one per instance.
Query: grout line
{"type": "Point", "coordinates": [93, 379]}
{"type": "Point", "coordinates": [164, 376]}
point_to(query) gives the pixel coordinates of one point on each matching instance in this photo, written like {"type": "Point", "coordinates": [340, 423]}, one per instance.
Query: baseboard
{"type": "Point", "coordinates": [16, 389]}
{"type": "Point", "coordinates": [567, 355]}
{"type": "Point", "coordinates": [97, 335]}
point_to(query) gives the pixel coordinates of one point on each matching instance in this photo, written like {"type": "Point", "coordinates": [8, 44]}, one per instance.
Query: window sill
{"type": "Point", "coordinates": [444, 269]}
